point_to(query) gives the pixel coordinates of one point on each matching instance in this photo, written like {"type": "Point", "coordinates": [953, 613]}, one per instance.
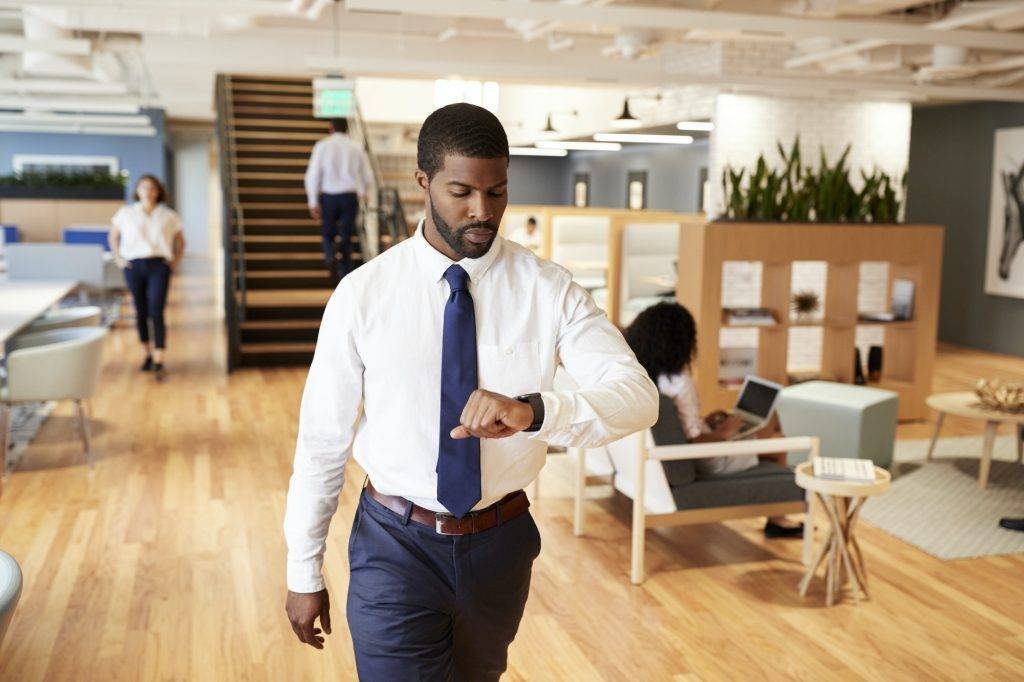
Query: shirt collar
{"type": "Point", "coordinates": [434, 263]}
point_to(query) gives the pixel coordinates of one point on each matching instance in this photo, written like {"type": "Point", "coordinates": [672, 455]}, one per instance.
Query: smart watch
{"type": "Point", "coordinates": [537, 403]}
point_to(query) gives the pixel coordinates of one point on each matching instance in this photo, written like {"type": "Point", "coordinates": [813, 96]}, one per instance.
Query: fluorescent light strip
{"type": "Point", "coordinates": [61, 86]}
{"type": "Point", "coordinates": [704, 126]}
{"type": "Point", "coordinates": [534, 151]}
{"type": "Point", "coordinates": [641, 138]}
{"type": "Point", "coordinates": [580, 146]}
{"type": "Point", "coordinates": [49, 118]}
{"type": "Point", "coordinates": [77, 129]}
{"type": "Point", "coordinates": [100, 105]}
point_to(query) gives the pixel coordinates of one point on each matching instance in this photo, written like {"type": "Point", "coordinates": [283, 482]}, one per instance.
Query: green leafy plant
{"type": "Point", "coordinates": [806, 303]}
{"type": "Point", "coordinates": [63, 179]}
{"type": "Point", "coordinates": [799, 193]}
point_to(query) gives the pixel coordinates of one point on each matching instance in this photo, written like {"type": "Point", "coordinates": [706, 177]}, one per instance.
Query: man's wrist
{"type": "Point", "coordinates": [536, 403]}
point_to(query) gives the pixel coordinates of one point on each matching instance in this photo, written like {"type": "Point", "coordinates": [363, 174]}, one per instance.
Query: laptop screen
{"type": "Point", "coordinates": [757, 398]}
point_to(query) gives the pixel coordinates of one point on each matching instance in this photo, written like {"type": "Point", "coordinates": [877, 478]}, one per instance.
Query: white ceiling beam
{"type": "Point", "coordinates": [70, 46]}
{"type": "Point", "coordinates": [50, 118]}
{"type": "Point", "coordinates": [149, 131]}
{"type": "Point", "coordinates": [686, 19]}
{"type": "Point", "coordinates": [98, 105]}
{"type": "Point", "coordinates": [954, 21]}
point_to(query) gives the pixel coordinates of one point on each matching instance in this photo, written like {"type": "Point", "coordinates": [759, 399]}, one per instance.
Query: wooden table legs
{"type": "Point", "coordinates": [840, 550]}
{"type": "Point", "coordinates": [935, 436]}
{"type": "Point", "coordinates": [986, 453]}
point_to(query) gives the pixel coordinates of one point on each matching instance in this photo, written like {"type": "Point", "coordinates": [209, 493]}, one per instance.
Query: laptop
{"type": "Point", "coordinates": [755, 404]}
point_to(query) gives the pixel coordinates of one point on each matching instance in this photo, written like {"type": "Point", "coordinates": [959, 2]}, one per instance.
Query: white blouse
{"type": "Point", "coordinates": [147, 235]}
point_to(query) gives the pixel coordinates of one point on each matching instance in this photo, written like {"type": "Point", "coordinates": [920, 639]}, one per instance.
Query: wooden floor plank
{"type": "Point", "coordinates": [167, 560]}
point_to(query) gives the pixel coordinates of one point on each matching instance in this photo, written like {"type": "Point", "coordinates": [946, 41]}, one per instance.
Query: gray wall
{"type": "Point", "coordinates": [538, 180]}
{"type": "Point", "coordinates": [673, 174]}
{"type": "Point", "coordinates": [950, 184]}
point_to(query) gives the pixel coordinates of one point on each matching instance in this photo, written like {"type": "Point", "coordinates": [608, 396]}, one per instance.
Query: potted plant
{"type": "Point", "coordinates": [805, 305]}
{"type": "Point", "coordinates": [63, 185]}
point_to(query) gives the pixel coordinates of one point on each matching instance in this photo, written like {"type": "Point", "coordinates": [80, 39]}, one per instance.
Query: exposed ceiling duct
{"type": "Point", "coordinates": [40, 30]}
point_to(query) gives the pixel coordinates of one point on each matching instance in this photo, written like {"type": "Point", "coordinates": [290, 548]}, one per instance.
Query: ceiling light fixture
{"type": "Point", "coordinates": [703, 126]}
{"type": "Point", "coordinates": [549, 128]}
{"type": "Point", "coordinates": [534, 151]}
{"type": "Point", "coordinates": [626, 119]}
{"type": "Point", "coordinates": [641, 138]}
{"type": "Point", "coordinates": [573, 145]}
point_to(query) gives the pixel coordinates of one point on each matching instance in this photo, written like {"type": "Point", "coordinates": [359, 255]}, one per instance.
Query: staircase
{"type": "Point", "coordinates": [276, 283]}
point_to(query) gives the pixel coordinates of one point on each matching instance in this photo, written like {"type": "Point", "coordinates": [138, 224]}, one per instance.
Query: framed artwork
{"type": "Point", "coordinates": [1004, 259]}
{"type": "Point", "coordinates": [636, 190]}
{"type": "Point", "coordinates": [581, 190]}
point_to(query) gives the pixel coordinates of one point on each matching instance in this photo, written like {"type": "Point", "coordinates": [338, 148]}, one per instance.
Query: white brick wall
{"type": "Point", "coordinates": [748, 125]}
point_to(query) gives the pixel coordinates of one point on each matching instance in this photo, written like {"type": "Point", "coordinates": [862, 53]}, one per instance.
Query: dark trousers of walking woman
{"type": "Point", "coordinates": [339, 213]}
{"type": "Point", "coordinates": [148, 279]}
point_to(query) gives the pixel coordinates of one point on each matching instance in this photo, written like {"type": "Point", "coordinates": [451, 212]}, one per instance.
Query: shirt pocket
{"type": "Point", "coordinates": [510, 369]}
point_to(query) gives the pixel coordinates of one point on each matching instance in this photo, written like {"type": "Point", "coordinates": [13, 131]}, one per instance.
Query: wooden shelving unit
{"type": "Point", "coordinates": [913, 252]}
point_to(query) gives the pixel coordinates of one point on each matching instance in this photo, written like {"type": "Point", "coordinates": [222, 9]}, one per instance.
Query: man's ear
{"type": "Point", "coordinates": [422, 180]}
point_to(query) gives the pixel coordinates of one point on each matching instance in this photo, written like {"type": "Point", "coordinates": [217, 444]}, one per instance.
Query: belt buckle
{"type": "Point", "coordinates": [439, 519]}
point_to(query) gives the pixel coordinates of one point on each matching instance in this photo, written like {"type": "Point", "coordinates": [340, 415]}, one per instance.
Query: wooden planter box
{"type": "Point", "coordinates": [76, 193]}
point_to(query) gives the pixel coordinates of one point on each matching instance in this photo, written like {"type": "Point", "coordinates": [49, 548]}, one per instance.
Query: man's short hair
{"type": "Point", "coordinates": [531, 220]}
{"type": "Point", "coordinates": [459, 129]}
{"type": "Point", "coordinates": [339, 125]}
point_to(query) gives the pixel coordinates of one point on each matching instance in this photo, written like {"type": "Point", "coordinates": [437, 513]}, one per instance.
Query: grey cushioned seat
{"type": "Point", "coordinates": [766, 483]}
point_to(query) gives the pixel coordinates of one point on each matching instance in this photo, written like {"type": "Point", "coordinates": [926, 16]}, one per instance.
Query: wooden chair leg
{"type": "Point", "coordinates": [808, 530]}
{"type": "Point", "coordinates": [639, 517]}
{"type": "Point", "coordinates": [986, 453]}
{"type": "Point", "coordinates": [83, 425]}
{"type": "Point", "coordinates": [580, 490]}
{"type": "Point", "coordinates": [5, 429]}
{"type": "Point", "coordinates": [935, 436]}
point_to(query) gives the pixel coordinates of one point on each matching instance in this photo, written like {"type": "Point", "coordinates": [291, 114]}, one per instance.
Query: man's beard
{"type": "Point", "coordinates": [456, 237]}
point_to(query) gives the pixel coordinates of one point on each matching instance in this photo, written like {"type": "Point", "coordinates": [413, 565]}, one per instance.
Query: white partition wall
{"type": "Point", "coordinates": [647, 271]}
{"type": "Point", "coordinates": [580, 244]}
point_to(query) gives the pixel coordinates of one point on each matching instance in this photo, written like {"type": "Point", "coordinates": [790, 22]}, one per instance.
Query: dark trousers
{"type": "Point", "coordinates": [425, 606]}
{"type": "Point", "coordinates": [148, 279]}
{"type": "Point", "coordinates": [339, 213]}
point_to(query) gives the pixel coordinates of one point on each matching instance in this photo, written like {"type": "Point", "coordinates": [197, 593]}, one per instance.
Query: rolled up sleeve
{"type": "Point", "coordinates": [615, 396]}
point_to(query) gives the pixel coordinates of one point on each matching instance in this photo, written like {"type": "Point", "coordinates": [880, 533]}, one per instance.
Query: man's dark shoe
{"type": "Point", "coordinates": [1010, 523]}
{"type": "Point", "coordinates": [148, 364]}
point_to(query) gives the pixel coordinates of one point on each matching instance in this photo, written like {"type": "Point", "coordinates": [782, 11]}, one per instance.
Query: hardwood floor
{"type": "Point", "coordinates": [167, 560]}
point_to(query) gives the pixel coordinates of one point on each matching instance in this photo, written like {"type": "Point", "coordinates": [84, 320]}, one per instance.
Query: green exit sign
{"type": "Point", "coordinates": [333, 98]}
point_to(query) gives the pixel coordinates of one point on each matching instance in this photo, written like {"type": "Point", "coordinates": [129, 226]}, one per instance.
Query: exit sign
{"type": "Point", "coordinates": [333, 98]}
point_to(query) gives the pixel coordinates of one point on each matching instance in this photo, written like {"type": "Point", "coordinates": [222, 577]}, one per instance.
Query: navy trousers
{"type": "Point", "coordinates": [425, 606]}
{"type": "Point", "coordinates": [148, 279]}
{"type": "Point", "coordinates": [339, 213]}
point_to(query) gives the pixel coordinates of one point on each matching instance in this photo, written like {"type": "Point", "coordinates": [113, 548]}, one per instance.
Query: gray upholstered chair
{"type": "Point", "coordinates": [61, 364]}
{"type": "Point", "coordinates": [10, 590]}
{"type": "Point", "coordinates": [59, 318]}
{"type": "Point", "coordinates": [657, 466]}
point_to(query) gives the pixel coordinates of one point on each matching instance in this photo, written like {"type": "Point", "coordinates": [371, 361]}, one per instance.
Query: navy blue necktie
{"type": "Point", "coordinates": [458, 461]}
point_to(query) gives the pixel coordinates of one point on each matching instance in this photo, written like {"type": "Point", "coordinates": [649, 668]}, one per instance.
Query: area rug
{"type": "Point", "coordinates": [26, 419]}
{"type": "Point", "coordinates": [938, 507]}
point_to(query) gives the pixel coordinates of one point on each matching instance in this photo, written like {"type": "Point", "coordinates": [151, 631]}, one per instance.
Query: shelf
{"type": "Point", "coordinates": [900, 324]}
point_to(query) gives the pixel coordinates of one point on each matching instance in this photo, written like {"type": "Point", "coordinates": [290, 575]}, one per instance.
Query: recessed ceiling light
{"type": "Point", "coordinates": [534, 151]}
{"type": "Point", "coordinates": [705, 126]}
{"type": "Point", "coordinates": [573, 145]}
{"type": "Point", "coordinates": [641, 138]}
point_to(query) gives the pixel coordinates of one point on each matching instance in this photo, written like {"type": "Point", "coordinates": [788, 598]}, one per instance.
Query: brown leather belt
{"type": "Point", "coordinates": [507, 508]}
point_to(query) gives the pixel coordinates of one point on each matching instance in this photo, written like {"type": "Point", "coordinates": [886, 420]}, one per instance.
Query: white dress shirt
{"type": "Point", "coordinates": [374, 386]}
{"type": "Point", "coordinates": [146, 235]}
{"type": "Point", "coordinates": [336, 166]}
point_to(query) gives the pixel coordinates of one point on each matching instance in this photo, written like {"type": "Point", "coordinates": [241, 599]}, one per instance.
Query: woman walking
{"type": "Point", "coordinates": [147, 243]}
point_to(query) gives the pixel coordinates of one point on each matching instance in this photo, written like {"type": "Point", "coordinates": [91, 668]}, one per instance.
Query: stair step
{"type": "Point", "coordinates": [283, 298]}
{"type": "Point", "coordinates": [281, 324]}
{"type": "Point", "coordinates": [304, 124]}
{"type": "Point", "coordinates": [240, 163]}
{"type": "Point", "coordinates": [286, 279]}
{"type": "Point", "coordinates": [272, 135]}
{"type": "Point", "coordinates": [269, 175]}
{"type": "Point", "coordinates": [242, 98]}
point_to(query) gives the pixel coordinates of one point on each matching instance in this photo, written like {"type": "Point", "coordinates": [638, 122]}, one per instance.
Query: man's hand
{"type": "Point", "coordinates": [303, 610]}
{"type": "Point", "coordinates": [315, 212]}
{"type": "Point", "coordinates": [491, 415]}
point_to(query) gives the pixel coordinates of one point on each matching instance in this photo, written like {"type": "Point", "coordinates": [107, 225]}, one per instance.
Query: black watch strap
{"type": "Point", "coordinates": [537, 403]}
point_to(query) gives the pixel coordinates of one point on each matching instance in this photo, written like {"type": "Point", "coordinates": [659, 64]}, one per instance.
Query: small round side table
{"type": "Point", "coordinates": [842, 500]}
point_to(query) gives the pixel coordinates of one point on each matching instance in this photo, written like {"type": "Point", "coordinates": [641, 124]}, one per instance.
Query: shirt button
{"type": "Point", "coordinates": [508, 351]}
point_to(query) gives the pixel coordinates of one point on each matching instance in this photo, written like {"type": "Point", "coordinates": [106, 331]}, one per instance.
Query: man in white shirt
{"type": "Point", "coordinates": [337, 180]}
{"type": "Point", "coordinates": [434, 367]}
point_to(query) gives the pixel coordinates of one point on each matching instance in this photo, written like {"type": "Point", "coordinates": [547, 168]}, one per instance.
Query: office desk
{"type": "Point", "coordinates": [22, 302]}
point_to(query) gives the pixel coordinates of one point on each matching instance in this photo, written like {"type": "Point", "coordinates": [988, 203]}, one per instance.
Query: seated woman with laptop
{"type": "Point", "coordinates": [664, 339]}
